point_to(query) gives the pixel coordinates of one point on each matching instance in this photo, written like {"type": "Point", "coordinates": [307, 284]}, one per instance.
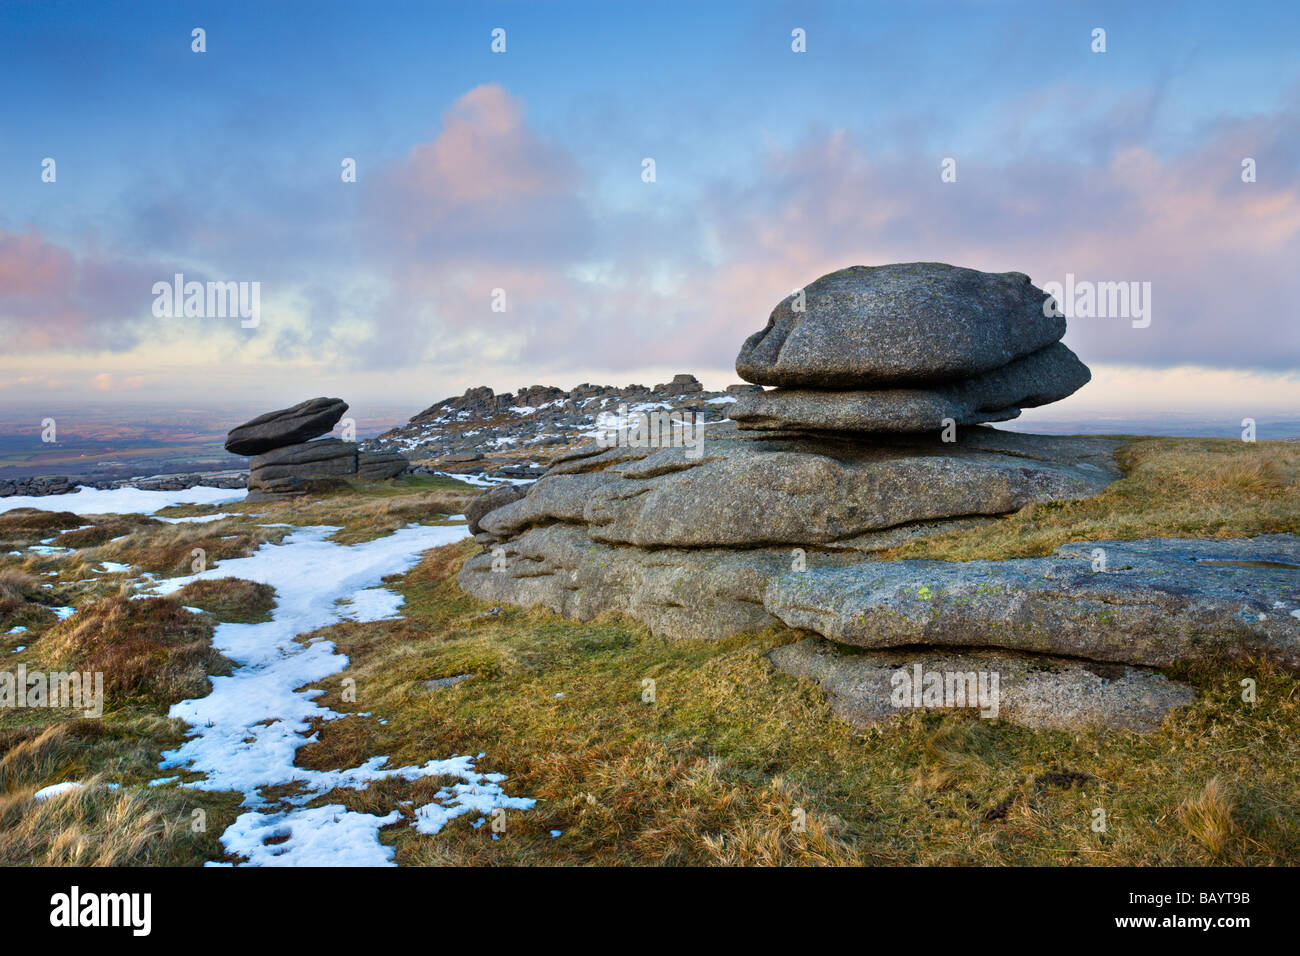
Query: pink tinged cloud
{"type": "Point", "coordinates": [53, 298]}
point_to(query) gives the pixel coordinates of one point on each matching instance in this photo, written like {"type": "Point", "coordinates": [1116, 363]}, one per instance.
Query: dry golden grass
{"type": "Point", "coordinates": [735, 764]}
{"type": "Point", "coordinates": [95, 825]}
{"type": "Point", "coordinates": [1208, 817]}
{"type": "Point", "coordinates": [1172, 487]}
{"type": "Point", "coordinates": [152, 647]}
{"type": "Point", "coordinates": [229, 599]}
{"type": "Point", "coordinates": [104, 530]}
{"type": "Point", "coordinates": [170, 549]}
{"type": "Point", "coordinates": [17, 587]}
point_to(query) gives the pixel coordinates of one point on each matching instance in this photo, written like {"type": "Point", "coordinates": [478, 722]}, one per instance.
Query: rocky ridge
{"type": "Point", "coordinates": [517, 434]}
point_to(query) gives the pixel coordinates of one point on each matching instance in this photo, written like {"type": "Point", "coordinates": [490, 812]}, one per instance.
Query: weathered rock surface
{"type": "Point", "coordinates": [1037, 691]}
{"type": "Point", "coordinates": [285, 469]}
{"type": "Point", "coordinates": [491, 500]}
{"type": "Point", "coordinates": [679, 593]}
{"type": "Point", "coordinates": [871, 326]}
{"type": "Point", "coordinates": [1158, 602]}
{"type": "Point", "coordinates": [633, 529]}
{"type": "Point", "coordinates": [751, 490]}
{"type": "Point", "coordinates": [376, 466]}
{"type": "Point", "coordinates": [286, 426]}
{"type": "Point", "coordinates": [1047, 375]}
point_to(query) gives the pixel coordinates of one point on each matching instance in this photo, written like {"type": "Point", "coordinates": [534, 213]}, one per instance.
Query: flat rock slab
{"type": "Point", "coordinates": [679, 593]}
{"type": "Point", "coordinates": [1048, 375]}
{"type": "Point", "coordinates": [747, 489]}
{"type": "Point", "coordinates": [1047, 693]}
{"type": "Point", "coordinates": [911, 322]}
{"type": "Point", "coordinates": [286, 426]}
{"type": "Point", "coordinates": [376, 466]}
{"type": "Point", "coordinates": [1157, 602]}
{"type": "Point", "coordinates": [283, 469]}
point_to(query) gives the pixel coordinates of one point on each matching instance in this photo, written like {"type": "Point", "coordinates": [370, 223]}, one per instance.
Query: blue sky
{"type": "Point", "coordinates": [522, 171]}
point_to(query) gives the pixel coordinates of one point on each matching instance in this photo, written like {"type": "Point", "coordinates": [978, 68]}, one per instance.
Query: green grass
{"type": "Point", "coordinates": [714, 769]}
{"type": "Point", "coordinates": [730, 755]}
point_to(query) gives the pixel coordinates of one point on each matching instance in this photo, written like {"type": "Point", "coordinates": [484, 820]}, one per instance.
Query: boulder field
{"type": "Point", "coordinates": [873, 434]}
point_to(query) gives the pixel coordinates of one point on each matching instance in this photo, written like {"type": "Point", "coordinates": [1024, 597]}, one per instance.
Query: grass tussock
{"type": "Point", "coordinates": [1172, 488]}
{"type": "Point", "coordinates": [152, 648]}
{"type": "Point", "coordinates": [172, 550]}
{"type": "Point", "coordinates": [104, 530]}
{"type": "Point", "coordinates": [17, 587]}
{"type": "Point", "coordinates": [1209, 819]}
{"type": "Point", "coordinates": [229, 599]}
{"type": "Point", "coordinates": [103, 823]}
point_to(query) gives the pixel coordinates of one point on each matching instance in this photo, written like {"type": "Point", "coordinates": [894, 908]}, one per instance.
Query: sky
{"type": "Point", "coordinates": [501, 229]}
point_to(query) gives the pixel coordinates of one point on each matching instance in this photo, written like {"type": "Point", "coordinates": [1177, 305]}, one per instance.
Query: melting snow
{"type": "Point", "coordinates": [122, 501]}
{"type": "Point", "coordinates": [247, 731]}
{"type": "Point", "coordinates": [372, 604]}
{"type": "Point", "coordinates": [54, 789]}
{"type": "Point", "coordinates": [200, 519]}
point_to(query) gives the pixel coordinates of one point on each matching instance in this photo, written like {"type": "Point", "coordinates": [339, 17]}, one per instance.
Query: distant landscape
{"type": "Point", "coordinates": [126, 441]}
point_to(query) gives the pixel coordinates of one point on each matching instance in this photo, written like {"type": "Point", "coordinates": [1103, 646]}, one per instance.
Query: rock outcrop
{"type": "Point", "coordinates": [290, 458]}
{"type": "Point", "coordinates": [1153, 602]}
{"type": "Point", "coordinates": [904, 348]}
{"type": "Point", "coordinates": [684, 528]}
{"type": "Point", "coordinates": [519, 434]}
{"type": "Point", "coordinates": [1033, 690]}
{"type": "Point", "coordinates": [749, 490]}
{"type": "Point", "coordinates": [874, 437]}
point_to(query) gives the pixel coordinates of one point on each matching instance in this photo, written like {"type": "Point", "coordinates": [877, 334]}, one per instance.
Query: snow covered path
{"type": "Point", "coordinates": [247, 731]}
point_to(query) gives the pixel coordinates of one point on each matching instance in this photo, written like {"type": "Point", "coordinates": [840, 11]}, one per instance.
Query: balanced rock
{"type": "Point", "coordinates": [904, 323]}
{"type": "Point", "coordinates": [287, 426]}
{"type": "Point", "coordinates": [1048, 375]}
{"type": "Point", "coordinates": [1153, 602]}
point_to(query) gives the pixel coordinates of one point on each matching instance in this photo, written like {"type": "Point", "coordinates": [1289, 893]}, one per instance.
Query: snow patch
{"type": "Point", "coordinates": [247, 731]}
{"type": "Point", "coordinates": [122, 501]}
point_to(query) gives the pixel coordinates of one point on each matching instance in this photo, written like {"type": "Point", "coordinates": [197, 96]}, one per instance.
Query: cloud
{"type": "Point", "coordinates": [105, 382]}
{"type": "Point", "coordinates": [52, 298]}
{"type": "Point", "coordinates": [399, 270]}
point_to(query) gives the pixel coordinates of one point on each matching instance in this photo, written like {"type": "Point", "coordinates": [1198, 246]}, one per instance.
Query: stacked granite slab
{"type": "Point", "coordinates": [908, 347]}
{"type": "Point", "coordinates": [687, 538]}
{"type": "Point", "coordinates": [288, 457]}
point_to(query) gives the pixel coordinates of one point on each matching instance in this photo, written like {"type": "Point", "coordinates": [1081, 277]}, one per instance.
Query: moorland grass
{"type": "Point", "coordinates": [731, 762]}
